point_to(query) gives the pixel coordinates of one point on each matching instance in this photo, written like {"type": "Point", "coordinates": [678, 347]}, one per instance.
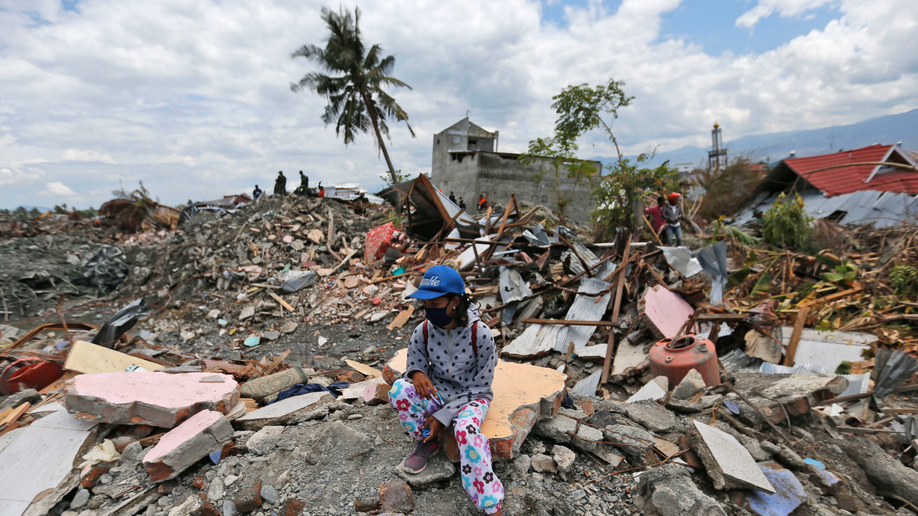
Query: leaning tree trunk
{"type": "Point", "coordinates": [379, 138]}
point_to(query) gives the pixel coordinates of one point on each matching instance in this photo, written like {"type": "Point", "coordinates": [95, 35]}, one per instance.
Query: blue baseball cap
{"type": "Point", "coordinates": [438, 281]}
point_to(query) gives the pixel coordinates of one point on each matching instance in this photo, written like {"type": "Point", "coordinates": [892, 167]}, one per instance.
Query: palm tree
{"type": "Point", "coordinates": [355, 96]}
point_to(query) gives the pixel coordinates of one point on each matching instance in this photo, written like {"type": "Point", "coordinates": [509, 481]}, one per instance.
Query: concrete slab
{"type": "Point", "coordinates": [438, 468]}
{"type": "Point", "coordinates": [156, 399]}
{"type": "Point", "coordinates": [664, 311]}
{"type": "Point", "coordinates": [523, 394]}
{"type": "Point", "coordinates": [652, 390]}
{"type": "Point", "coordinates": [630, 360]}
{"type": "Point", "coordinates": [355, 390]}
{"type": "Point", "coordinates": [284, 411]}
{"type": "Point", "coordinates": [790, 493]}
{"type": "Point", "coordinates": [728, 463]}
{"type": "Point", "coordinates": [40, 458]}
{"type": "Point", "coordinates": [200, 435]}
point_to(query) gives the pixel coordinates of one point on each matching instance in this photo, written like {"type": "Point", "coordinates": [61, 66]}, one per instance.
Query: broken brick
{"type": "Point", "coordinates": [395, 496]}
{"type": "Point", "coordinates": [292, 507]}
{"type": "Point", "coordinates": [92, 478]}
{"type": "Point", "coordinates": [367, 504]}
{"type": "Point", "coordinates": [186, 444]}
{"type": "Point", "coordinates": [249, 499]}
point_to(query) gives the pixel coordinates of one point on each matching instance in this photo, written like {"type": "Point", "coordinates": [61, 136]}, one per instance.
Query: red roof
{"type": "Point", "coordinates": [848, 179]}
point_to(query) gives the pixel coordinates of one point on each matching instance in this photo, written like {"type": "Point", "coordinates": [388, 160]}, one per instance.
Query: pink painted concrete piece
{"type": "Point", "coordinates": [158, 399]}
{"type": "Point", "coordinates": [199, 435]}
{"type": "Point", "coordinates": [665, 311]}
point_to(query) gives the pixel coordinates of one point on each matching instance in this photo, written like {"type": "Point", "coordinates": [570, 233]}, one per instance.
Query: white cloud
{"type": "Point", "coordinates": [192, 96]}
{"type": "Point", "coordinates": [59, 189]}
{"type": "Point", "coordinates": [785, 8]}
{"type": "Point", "coordinates": [86, 155]}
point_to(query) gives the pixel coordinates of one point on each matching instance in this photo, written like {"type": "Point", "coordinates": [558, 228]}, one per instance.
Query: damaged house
{"type": "Point", "coordinates": [466, 162]}
{"type": "Point", "coordinates": [871, 185]}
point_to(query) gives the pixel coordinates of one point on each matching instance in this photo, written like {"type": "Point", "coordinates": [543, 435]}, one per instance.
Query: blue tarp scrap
{"type": "Point", "coordinates": [789, 493]}
{"type": "Point", "coordinates": [298, 389]}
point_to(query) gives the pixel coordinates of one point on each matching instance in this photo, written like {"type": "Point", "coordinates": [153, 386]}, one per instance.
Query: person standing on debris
{"type": "Point", "coordinates": [452, 197]}
{"type": "Point", "coordinates": [482, 203]}
{"type": "Point", "coordinates": [303, 189]}
{"type": "Point", "coordinates": [672, 214]}
{"type": "Point", "coordinates": [280, 184]}
{"type": "Point", "coordinates": [462, 203]}
{"type": "Point", "coordinates": [321, 190]}
{"type": "Point", "coordinates": [256, 193]}
{"type": "Point", "coordinates": [656, 214]}
{"type": "Point", "coordinates": [451, 363]}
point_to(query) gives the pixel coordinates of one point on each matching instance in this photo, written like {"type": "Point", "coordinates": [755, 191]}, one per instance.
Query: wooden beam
{"type": "Point", "coordinates": [566, 323]}
{"type": "Point", "coordinates": [616, 307]}
{"type": "Point", "coordinates": [795, 336]}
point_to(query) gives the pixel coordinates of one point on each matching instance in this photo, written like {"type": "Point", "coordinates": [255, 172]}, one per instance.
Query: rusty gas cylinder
{"type": "Point", "coordinates": [675, 359]}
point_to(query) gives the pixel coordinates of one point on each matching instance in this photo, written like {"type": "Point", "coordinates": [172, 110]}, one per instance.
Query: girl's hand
{"type": "Point", "coordinates": [424, 387]}
{"type": "Point", "coordinates": [435, 427]}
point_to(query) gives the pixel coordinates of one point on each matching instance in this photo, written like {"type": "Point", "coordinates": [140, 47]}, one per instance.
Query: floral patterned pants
{"type": "Point", "coordinates": [478, 478]}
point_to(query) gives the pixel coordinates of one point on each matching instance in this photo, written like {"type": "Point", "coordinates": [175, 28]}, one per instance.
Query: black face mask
{"type": "Point", "coordinates": [438, 316]}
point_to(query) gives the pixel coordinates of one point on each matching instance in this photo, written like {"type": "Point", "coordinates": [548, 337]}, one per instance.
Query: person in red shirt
{"type": "Point", "coordinates": [321, 190]}
{"type": "Point", "coordinates": [656, 215]}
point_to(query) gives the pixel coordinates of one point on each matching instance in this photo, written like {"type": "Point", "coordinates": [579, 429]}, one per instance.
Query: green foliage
{"type": "Point", "coordinates": [355, 95]}
{"type": "Point", "coordinates": [787, 223]}
{"type": "Point", "coordinates": [560, 153]}
{"type": "Point", "coordinates": [843, 273]}
{"type": "Point", "coordinates": [400, 177]}
{"type": "Point", "coordinates": [726, 189]}
{"type": "Point", "coordinates": [616, 195]}
{"type": "Point", "coordinates": [903, 279]}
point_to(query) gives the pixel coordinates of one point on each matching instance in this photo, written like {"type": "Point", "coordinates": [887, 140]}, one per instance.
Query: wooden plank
{"type": "Point", "coordinates": [401, 318]}
{"type": "Point", "coordinates": [363, 368]}
{"type": "Point", "coordinates": [15, 414]}
{"type": "Point", "coordinates": [795, 336]}
{"type": "Point", "coordinates": [387, 278]}
{"type": "Point", "coordinates": [276, 362]}
{"type": "Point", "coordinates": [616, 307]}
{"type": "Point", "coordinates": [566, 323]}
{"type": "Point", "coordinates": [89, 358]}
{"type": "Point", "coordinates": [281, 301]}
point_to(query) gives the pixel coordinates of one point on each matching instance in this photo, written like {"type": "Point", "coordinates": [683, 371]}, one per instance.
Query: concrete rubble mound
{"type": "Point", "coordinates": [634, 378]}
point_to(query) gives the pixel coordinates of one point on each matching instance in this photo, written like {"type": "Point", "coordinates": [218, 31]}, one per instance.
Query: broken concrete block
{"type": "Point", "coordinates": [156, 399]}
{"type": "Point", "coordinates": [652, 390]}
{"type": "Point", "coordinates": [564, 458]}
{"type": "Point", "coordinates": [635, 442]}
{"type": "Point", "coordinates": [523, 394]}
{"type": "Point", "coordinates": [249, 499]}
{"type": "Point", "coordinates": [773, 393]}
{"type": "Point", "coordinates": [284, 412]}
{"type": "Point", "coordinates": [347, 443]}
{"type": "Point", "coordinates": [264, 440]}
{"type": "Point", "coordinates": [669, 491]}
{"type": "Point", "coordinates": [395, 496]}
{"type": "Point", "coordinates": [544, 464]}
{"type": "Point", "coordinates": [728, 463]}
{"type": "Point", "coordinates": [438, 468]}
{"type": "Point", "coordinates": [690, 385]}
{"type": "Point", "coordinates": [198, 436]}
{"type": "Point", "coordinates": [247, 313]}
{"type": "Point", "coordinates": [887, 474]}
{"type": "Point", "coordinates": [563, 429]}
{"type": "Point", "coordinates": [788, 496]}
{"type": "Point", "coordinates": [30, 396]}
{"type": "Point", "coordinates": [651, 416]}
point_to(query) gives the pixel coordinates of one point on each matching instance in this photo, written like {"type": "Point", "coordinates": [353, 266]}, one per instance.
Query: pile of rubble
{"type": "Point", "coordinates": [250, 375]}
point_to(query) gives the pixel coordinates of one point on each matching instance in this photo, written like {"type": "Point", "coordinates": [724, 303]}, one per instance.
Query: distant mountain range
{"type": "Point", "coordinates": [774, 147]}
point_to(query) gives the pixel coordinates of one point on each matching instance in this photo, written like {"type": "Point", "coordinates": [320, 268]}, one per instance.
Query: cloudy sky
{"type": "Point", "coordinates": [193, 96]}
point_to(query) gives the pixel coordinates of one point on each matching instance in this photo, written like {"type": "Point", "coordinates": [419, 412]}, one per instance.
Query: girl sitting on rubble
{"type": "Point", "coordinates": [451, 362]}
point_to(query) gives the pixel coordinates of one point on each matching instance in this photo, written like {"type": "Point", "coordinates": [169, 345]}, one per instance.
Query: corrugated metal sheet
{"type": "Point", "coordinates": [512, 286]}
{"type": "Point", "coordinates": [584, 308]}
{"type": "Point", "coordinates": [588, 385]}
{"type": "Point", "coordinates": [864, 207]}
{"type": "Point", "coordinates": [587, 255]}
{"type": "Point", "coordinates": [536, 340]}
